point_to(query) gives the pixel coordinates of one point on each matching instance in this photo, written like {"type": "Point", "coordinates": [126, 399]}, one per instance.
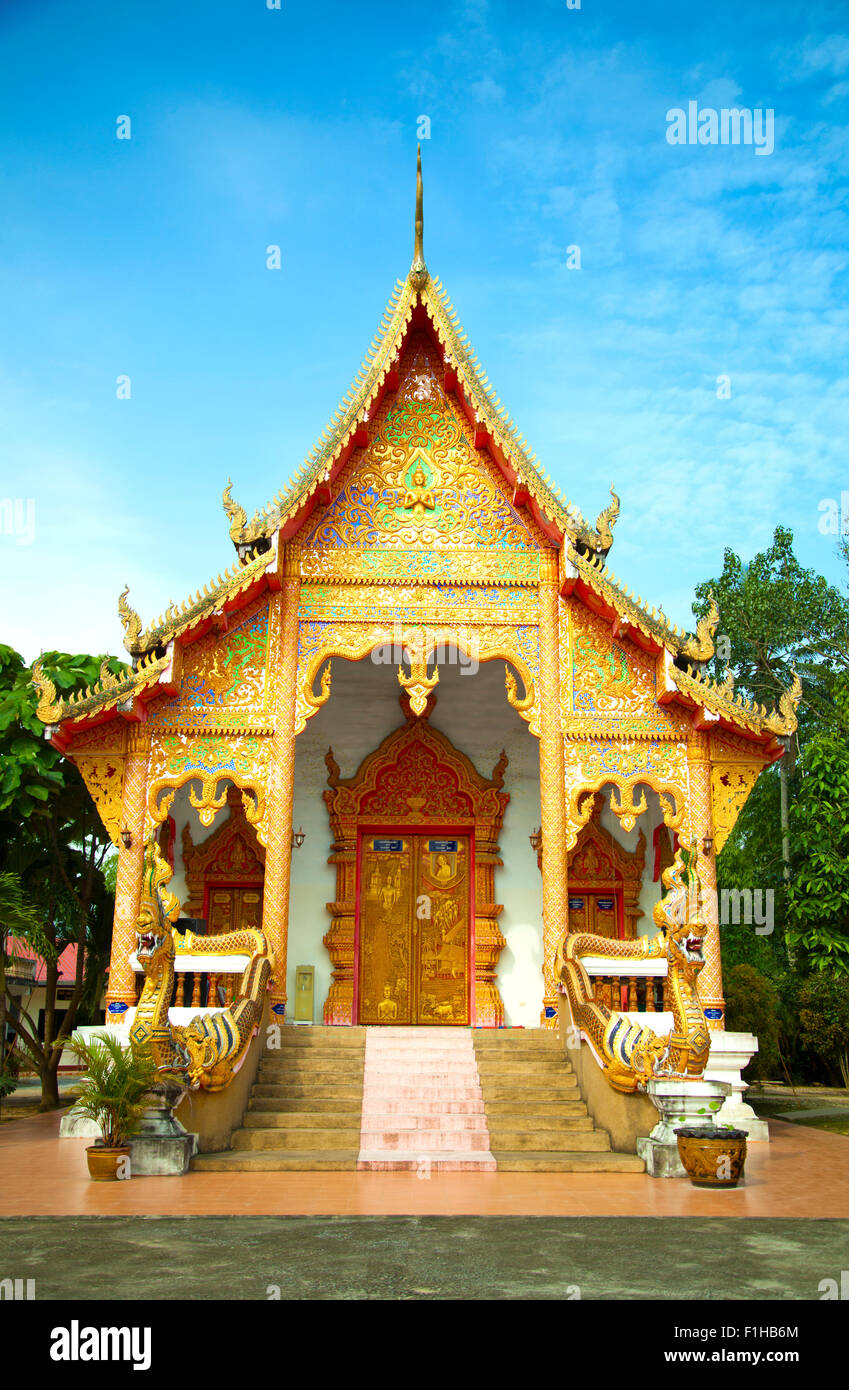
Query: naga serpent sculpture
{"type": "Point", "coordinates": [208, 1051]}
{"type": "Point", "coordinates": [629, 1054]}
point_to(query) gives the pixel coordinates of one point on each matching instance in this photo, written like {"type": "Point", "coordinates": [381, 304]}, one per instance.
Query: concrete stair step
{"type": "Point", "coordinates": [297, 1090]}
{"type": "Point", "coordinates": [423, 1142]}
{"type": "Point", "coordinates": [529, 1110]}
{"type": "Point", "coordinates": [296, 1062]}
{"type": "Point", "coordinates": [295, 1105]}
{"type": "Point", "coordinates": [276, 1161]}
{"type": "Point", "coordinates": [565, 1088]}
{"type": "Point", "coordinates": [304, 1139]}
{"type": "Point", "coordinates": [424, 1124]}
{"type": "Point", "coordinates": [300, 1119]}
{"type": "Point", "coordinates": [538, 1073]}
{"type": "Point", "coordinates": [414, 1105]}
{"type": "Point", "coordinates": [549, 1141]}
{"type": "Point", "coordinates": [425, 1093]}
{"type": "Point", "coordinates": [576, 1162]}
{"type": "Point", "coordinates": [330, 1039]}
{"type": "Point", "coordinates": [314, 1076]}
{"type": "Point", "coordinates": [508, 1037]}
{"type": "Point", "coordinates": [342, 1056]}
{"type": "Point", "coordinates": [557, 1124]}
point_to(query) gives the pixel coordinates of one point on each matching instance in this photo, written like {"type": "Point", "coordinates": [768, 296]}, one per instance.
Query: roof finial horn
{"type": "Point", "coordinates": [418, 270]}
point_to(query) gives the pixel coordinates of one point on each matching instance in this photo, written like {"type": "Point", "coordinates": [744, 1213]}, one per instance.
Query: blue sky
{"type": "Point", "coordinates": [298, 127]}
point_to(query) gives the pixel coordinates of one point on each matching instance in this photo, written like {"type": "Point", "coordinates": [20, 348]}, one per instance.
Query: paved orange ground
{"type": "Point", "coordinates": [804, 1172]}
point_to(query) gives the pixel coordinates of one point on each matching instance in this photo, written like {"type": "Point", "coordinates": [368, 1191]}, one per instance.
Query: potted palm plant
{"type": "Point", "coordinates": [113, 1093]}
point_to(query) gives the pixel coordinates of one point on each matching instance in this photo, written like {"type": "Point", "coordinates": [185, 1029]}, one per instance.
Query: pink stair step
{"type": "Point", "coordinates": [445, 1124]}
{"type": "Point", "coordinates": [422, 1104]}
{"type": "Point", "coordinates": [414, 1105]}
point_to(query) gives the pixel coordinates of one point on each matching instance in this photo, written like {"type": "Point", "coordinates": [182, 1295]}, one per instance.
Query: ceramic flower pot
{"type": "Point", "coordinates": [103, 1163]}
{"type": "Point", "coordinates": [712, 1157]}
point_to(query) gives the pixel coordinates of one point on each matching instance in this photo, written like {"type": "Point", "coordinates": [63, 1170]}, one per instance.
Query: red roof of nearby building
{"type": "Point", "coordinates": [67, 960]}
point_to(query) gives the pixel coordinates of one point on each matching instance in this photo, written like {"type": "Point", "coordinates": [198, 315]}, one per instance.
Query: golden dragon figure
{"type": "Point", "coordinates": [207, 1051]}
{"type": "Point", "coordinates": [631, 1055]}
{"type": "Point", "coordinates": [701, 646]}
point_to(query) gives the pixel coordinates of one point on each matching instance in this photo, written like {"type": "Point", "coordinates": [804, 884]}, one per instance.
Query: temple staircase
{"type": "Point", "coordinates": [417, 1099]}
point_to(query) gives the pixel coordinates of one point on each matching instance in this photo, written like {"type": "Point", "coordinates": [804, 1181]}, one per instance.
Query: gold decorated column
{"type": "Point", "coordinates": [552, 787]}
{"type": "Point", "coordinates": [128, 885]}
{"type": "Point", "coordinates": [701, 826]}
{"type": "Point", "coordinates": [281, 776]}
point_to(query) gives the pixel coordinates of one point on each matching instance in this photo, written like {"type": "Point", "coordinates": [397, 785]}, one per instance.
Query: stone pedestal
{"type": "Point", "coordinates": [679, 1103]}
{"type": "Point", "coordinates": [161, 1147]}
{"type": "Point", "coordinates": [729, 1054]}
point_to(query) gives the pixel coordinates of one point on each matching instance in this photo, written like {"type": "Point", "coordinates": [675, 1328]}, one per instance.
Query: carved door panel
{"type": "Point", "coordinates": [414, 914]}
{"type": "Point", "coordinates": [442, 938]}
{"type": "Point", "coordinates": [596, 913]}
{"type": "Point", "coordinates": [386, 911]}
{"type": "Point", "coordinates": [234, 909]}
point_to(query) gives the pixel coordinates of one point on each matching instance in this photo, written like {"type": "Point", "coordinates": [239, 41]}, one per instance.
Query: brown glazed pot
{"type": "Point", "coordinates": [103, 1162]}
{"type": "Point", "coordinates": [712, 1157]}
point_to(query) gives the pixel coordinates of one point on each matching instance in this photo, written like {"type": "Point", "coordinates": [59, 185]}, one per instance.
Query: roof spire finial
{"type": "Point", "coordinates": [418, 270]}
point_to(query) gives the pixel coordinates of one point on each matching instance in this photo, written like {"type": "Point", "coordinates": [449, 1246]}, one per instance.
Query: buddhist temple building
{"type": "Point", "coordinates": [418, 729]}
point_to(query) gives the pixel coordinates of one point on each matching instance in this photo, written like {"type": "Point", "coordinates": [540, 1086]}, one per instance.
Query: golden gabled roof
{"type": "Point", "coordinates": [420, 290]}
{"type": "Point", "coordinates": [586, 549]}
{"type": "Point", "coordinates": [147, 648]}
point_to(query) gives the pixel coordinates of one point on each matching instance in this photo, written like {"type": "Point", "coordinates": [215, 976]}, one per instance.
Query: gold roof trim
{"type": "Point", "coordinates": [576, 729]}
{"type": "Point", "coordinates": [721, 700]}
{"type": "Point", "coordinates": [651, 622]}
{"type": "Point", "coordinates": [719, 697]}
{"type": "Point", "coordinates": [105, 694]}
{"type": "Point", "coordinates": [177, 618]}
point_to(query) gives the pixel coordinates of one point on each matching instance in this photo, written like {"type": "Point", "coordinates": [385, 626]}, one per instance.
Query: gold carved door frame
{"type": "Point", "coordinates": [418, 780]}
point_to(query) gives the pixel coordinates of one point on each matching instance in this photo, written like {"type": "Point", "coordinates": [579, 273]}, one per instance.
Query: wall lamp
{"type": "Point", "coordinates": [298, 837]}
{"type": "Point", "coordinates": [126, 838]}
{"type": "Point", "coordinates": [707, 844]}
{"type": "Point", "coordinates": [535, 838]}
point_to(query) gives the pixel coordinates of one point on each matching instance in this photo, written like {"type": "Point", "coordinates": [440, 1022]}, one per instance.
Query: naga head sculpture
{"type": "Point", "coordinates": [679, 914]}
{"type": "Point", "coordinates": [159, 909]}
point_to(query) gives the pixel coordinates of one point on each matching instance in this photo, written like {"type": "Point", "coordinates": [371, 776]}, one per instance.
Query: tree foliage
{"type": "Point", "coordinates": [824, 1016]}
{"type": "Point", "coordinates": [53, 842]}
{"type": "Point", "coordinates": [818, 896]}
{"type": "Point", "coordinates": [752, 1006]}
{"type": "Point", "coordinates": [776, 616]}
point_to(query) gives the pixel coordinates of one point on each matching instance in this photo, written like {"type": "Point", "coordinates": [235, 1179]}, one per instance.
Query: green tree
{"type": "Point", "coordinates": [52, 840]}
{"type": "Point", "coordinates": [777, 617]}
{"type": "Point", "coordinates": [818, 896]}
{"type": "Point", "coordinates": [824, 1016]}
{"type": "Point", "coordinates": [752, 1007]}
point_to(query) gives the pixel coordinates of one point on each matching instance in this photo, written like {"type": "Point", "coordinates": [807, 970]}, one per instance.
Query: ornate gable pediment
{"type": "Point", "coordinates": [420, 483]}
